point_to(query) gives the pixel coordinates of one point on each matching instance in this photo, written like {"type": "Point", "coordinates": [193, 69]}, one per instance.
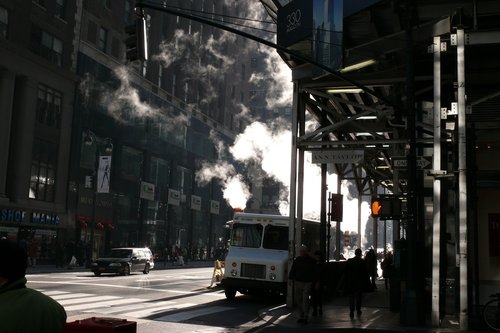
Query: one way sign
{"type": "Point", "coordinates": [423, 162]}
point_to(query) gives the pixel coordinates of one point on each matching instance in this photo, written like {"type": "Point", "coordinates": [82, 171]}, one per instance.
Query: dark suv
{"type": "Point", "coordinates": [123, 261]}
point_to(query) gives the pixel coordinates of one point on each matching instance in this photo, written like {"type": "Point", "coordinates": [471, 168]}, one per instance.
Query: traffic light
{"type": "Point", "coordinates": [386, 208]}
{"type": "Point", "coordinates": [336, 207]}
{"type": "Point", "coordinates": [136, 42]}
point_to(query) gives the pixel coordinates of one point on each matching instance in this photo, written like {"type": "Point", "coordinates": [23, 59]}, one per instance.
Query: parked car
{"type": "Point", "coordinates": [124, 261]}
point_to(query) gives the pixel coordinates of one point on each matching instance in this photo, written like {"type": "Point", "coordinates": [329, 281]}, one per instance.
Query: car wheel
{"type": "Point", "coordinates": [146, 269]}
{"type": "Point", "coordinates": [97, 273]}
{"type": "Point", "coordinates": [230, 293]}
{"type": "Point", "coordinates": [126, 270]}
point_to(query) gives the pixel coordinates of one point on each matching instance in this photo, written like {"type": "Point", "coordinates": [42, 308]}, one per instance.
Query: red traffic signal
{"type": "Point", "coordinates": [386, 208]}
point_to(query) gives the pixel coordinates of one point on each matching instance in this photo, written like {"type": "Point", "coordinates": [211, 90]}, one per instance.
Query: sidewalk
{"type": "Point", "coordinates": [159, 265]}
{"type": "Point", "coordinates": [376, 316]}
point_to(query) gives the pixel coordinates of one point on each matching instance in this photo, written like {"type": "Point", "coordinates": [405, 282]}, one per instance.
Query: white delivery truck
{"type": "Point", "coordinates": [257, 258]}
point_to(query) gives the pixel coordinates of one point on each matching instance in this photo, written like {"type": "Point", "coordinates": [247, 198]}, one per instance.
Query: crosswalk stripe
{"type": "Point", "coordinates": [104, 305]}
{"type": "Point", "coordinates": [70, 296]}
{"type": "Point", "coordinates": [186, 315]}
{"type": "Point", "coordinates": [155, 310]}
{"type": "Point", "coordinates": [142, 306]}
{"type": "Point", "coordinates": [87, 300]}
{"type": "Point", "coordinates": [53, 292]}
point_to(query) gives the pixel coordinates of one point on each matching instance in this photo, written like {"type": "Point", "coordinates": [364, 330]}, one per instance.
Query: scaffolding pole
{"type": "Point", "coordinates": [462, 180]}
{"type": "Point", "coordinates": [436, 222]}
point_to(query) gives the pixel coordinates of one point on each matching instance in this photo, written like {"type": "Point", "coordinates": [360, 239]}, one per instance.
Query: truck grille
{"type": "Point", "coordinates": [253, 271]}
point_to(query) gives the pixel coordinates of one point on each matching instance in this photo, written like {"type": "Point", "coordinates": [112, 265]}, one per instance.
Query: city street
{"type": "Point", "coordinates": [173, 299]}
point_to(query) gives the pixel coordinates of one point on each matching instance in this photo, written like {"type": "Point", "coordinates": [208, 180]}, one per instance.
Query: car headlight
{"type": "Point", "coordinates": [115, 264]}
{"type": "Point", "coordinates": [272, 276]}
{"type": "Point", "coordinates": [94, 264]}
{"type": "Point", "coordinates": [234, 272]}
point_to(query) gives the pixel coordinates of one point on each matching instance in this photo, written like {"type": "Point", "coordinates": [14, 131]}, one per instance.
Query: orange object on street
{"type": "Point", "coordinates": [101, 325]}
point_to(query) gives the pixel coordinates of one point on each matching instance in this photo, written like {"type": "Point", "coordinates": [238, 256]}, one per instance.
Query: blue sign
{"type": "Point", "coordinates": [42, 218]}
{"type": "Point", "coordinates": [12, 215]}
{"type": "Point", "coordinates": [294, 23]}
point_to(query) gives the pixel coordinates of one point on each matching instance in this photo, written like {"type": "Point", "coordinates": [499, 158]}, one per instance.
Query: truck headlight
{"type": "Point", "coordinates": [272, 276]}
{"type": "Point", "coordinates": [234, 272]}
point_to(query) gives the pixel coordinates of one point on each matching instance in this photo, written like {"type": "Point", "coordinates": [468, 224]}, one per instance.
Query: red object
{"type": "Point", "coordinates": [101, 325]}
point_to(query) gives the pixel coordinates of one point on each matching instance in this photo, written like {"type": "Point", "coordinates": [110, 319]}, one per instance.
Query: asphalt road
{"type": "Point", "coordinates": [171, 300]}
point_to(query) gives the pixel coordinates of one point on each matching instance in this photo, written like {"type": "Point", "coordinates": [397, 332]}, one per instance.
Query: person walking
{"type": "Point", "coordinates": [303, 275]}
{"type": "Point", "coordinates": [387, 265]}
{"type": "Point", "coordinates": [23, 309]}
{"type": "Point", "coordinates": [371, 265]}
{"type": "Point", "coordinates": [317, 288]}
{"type": "Point", "coordinates": [357, 280]}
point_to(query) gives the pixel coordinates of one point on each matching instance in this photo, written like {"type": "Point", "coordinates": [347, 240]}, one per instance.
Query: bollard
{"type": "Point", "coordinates": [101, 325]}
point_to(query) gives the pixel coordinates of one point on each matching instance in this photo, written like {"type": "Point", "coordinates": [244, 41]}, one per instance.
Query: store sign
{"type": "Point", "coordinates": [174, 197]}
{"type": "Point", "coordinates": [43, 218]}
{"type": "Point", "coordinates": [294, 23]}
{"type": "Point", "coordinates": [147, 191]}
{"type": "Point", "coordinates": [103, 174]}
{"type": "Point", "coordinates": [12, 215]}
{"type": "Point", "coordinates": [214, 207]}
{"type": "Point", "coordinates": [195, 202]}
{"type": "Point", "coordinates": [338, 156]}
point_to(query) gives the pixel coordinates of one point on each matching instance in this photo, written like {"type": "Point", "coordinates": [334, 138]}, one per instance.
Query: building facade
{"type": "Point", "coordinates": [37, 81]}
{"type": "Point", "coordinates": [100, 152]}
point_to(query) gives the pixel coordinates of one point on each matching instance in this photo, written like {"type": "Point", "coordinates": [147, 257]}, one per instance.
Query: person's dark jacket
{"type": "Point", "coordinates": [25, 310]}
{"type": "Point", "coordinates": [303, 269]}
{"type": "Point", "coordinates": [356, 275]}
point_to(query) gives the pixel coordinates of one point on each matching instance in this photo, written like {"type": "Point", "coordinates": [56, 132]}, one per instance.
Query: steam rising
{"type": "Point", "coordinates": [235, 190]}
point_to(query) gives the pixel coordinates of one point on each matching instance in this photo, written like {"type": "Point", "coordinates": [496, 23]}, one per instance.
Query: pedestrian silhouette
{"type": "Point", "coordinates": [303, 275]}
{"type": "Point", "coordinates": [317, 288]}
{"type": "Point", "coordinates": [357, 281]}
{"type": "Point", "coordinates": [371, 265]}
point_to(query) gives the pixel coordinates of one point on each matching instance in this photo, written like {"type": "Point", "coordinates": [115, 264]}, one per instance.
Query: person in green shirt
{"type": "Point", "coordinates": [24, 310]}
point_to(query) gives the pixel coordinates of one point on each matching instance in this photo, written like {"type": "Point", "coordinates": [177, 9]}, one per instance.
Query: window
{"type": "Point", "coordinates": [246, 235]}
{"type": "Point", "coordinates": [43, 171]}
{"type": "Point", "coordinates": [243, 71]}
{"type": "Point", "coordinates": [4, 22]}
{"type": "Point", "coordinates": [49, 106]}
{"type": "Point", "coordinates": [128, 12]}
{"type": "Point", "coordinates": [276, 238]}
{"type": "Point", "coordinates": [61, 9]}
{"type": "Point", "coordinates": [254, 63]}
{"type": "Point", "coordinates": [47, 46]}
{"type": "Point", "coordinates": [174, 84]}
{"type": "Point", "coordinates": [160, 75]}
{"type": "Point", "coordinates": [102, 39]}
{"type": "Point", "coordinates": [131, 163]}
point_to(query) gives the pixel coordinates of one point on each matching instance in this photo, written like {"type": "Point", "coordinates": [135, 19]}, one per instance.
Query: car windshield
{"type": "Point", "coordinates": [119, 253]}
{"type": "Point", "coordinates": [246, 235]}
{"type": "Point", "coordinates": [276, 237]}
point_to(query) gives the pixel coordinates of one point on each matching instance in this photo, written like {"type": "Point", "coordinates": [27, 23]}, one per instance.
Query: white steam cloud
{"type": "Point", "coordinates": [124, 103]}
{"type": "Point", "coordinates": [235, 190]}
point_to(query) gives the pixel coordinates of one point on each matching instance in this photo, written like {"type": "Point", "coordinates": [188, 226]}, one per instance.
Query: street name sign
{"type": "Point", "coordinates": [337, 156]}
{"type": "Point", "coordinates": [423, 162]}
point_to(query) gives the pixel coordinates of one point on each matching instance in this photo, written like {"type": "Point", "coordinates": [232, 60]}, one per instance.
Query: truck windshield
{"type": "Point", "coordinates": [276, 237]}
{"type": "Point", "coordinates": [246, 235]}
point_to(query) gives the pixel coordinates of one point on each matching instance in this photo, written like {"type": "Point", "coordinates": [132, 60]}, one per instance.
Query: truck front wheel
{"type": "Point", "coordinates": [230, 293]}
